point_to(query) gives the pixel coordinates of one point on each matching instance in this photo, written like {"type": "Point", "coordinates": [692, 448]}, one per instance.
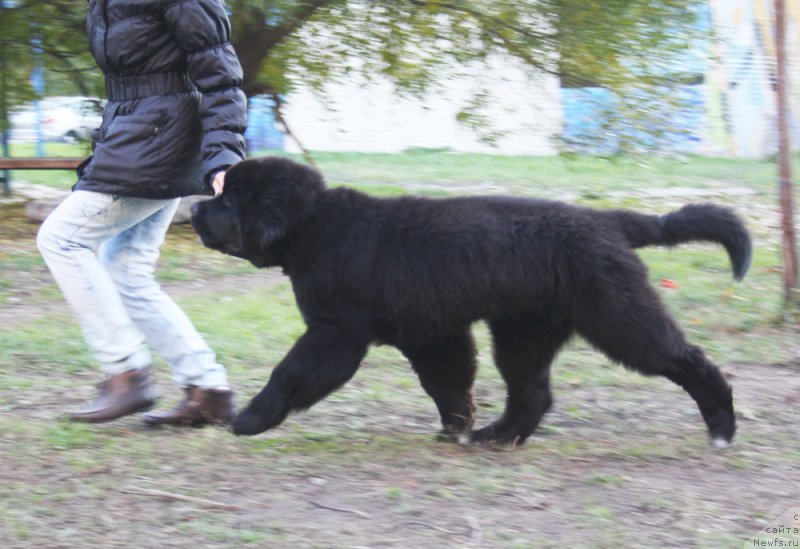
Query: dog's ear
{"type": "Point", "coordinates": [284, 206]}
{"type": "Point", "coordinates": [277, 213]}
{"type": "Point", "coordinates": [270, 232]}
{"type": "Point", "coordinates": [257, 232]}
{"type": "Point", "coordinates": [277, 195]}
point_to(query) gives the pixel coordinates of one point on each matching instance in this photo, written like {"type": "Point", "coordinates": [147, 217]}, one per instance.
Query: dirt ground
{"type": "Point", "coordinates": [620, 462]}
{"type": "Point", "coordinates": [614, 465]}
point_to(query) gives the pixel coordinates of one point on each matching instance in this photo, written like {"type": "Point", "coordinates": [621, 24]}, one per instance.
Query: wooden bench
{"type": "Point", "coordinates": [34, 163]}
{"type": "Point", "coordinates": [37, 210]}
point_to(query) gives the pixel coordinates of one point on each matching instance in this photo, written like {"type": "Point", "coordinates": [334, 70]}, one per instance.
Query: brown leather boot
{"type": "Point", "coordinates": [120, 395]}
{"type": "Point", "coordinates": [200, 407]}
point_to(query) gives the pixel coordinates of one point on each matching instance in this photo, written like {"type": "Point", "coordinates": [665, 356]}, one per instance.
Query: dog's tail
{"type": "Point", "coordinates": [703, 222]}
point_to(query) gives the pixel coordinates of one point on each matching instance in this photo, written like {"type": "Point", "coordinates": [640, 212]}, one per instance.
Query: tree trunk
{"type": "Point", "coordinates": [789, 246]}
{"type": "Point", "coordinates": [5, 127]}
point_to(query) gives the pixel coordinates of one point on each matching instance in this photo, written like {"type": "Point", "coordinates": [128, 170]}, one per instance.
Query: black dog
{"type": "Point", "coordinates": [417, 272]}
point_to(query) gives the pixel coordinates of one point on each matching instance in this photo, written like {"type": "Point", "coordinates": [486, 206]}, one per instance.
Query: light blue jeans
{"type": "Point", "coordinates": [102, 251]}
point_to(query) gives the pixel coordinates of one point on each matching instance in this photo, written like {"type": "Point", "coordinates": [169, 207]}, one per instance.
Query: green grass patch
{"type": "Point", "coordinates": [371, 449]}
{"type": "Point", "coordinates": [416, 169]}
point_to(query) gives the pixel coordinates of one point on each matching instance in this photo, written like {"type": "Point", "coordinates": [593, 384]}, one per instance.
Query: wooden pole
{"type": "Point", "coordinates": [5, 176]}
{"type": "Point", "coordinates": [789, 241]}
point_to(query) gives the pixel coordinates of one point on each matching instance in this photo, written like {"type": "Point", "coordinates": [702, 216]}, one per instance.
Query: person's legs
{"type": "Point", "coordinates": [67, 240]}
{"type": "Point", "coordinates": [117, 300]}
{"type": "Point", "coordinates": [130, 259]}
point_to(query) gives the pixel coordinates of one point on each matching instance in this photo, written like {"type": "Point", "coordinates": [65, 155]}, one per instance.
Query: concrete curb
{"type": "Point", "coordinates": [41, 200]}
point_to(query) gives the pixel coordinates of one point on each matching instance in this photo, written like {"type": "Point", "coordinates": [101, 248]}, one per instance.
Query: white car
{"type": "Point", "coordinates": [66, 119]}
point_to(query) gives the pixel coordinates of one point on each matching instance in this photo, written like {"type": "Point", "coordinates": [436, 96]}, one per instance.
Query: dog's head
{"type": "Point", "coordinates": [265, 200]}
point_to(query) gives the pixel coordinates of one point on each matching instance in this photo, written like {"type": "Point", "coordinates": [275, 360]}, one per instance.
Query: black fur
{"type": "Point", "coordinates": [417, 272]}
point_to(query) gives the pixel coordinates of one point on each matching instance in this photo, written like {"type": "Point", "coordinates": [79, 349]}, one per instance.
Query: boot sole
{"type": "Point", "coordinates": [194, 423]}
{"type": "Point", "coordinates": [89, 419]}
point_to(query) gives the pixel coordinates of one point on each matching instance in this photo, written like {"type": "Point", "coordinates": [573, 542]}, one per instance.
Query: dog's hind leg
{"type": "Point", "coordinates": [627, 321]}
{"type": "Point", "coordinates": [446, 370]}
{"type": "Point", "coordinates": [321, 361]}
{"type": "Point", "coordinates": [523, 352]}
{"type": "Point", "coordinates": [704, 382]}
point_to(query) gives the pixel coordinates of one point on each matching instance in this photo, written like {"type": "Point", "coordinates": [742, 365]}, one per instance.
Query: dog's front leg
{"type": "Point", "coordinates": [321, 361]}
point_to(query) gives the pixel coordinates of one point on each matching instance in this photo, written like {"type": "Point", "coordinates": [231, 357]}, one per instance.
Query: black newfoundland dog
{"type": "Point", "coordinates": [417, 272]}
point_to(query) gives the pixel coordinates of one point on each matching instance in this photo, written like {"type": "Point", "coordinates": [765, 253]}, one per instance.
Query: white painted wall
{"type": "Point", "coordinates": [371, 118]}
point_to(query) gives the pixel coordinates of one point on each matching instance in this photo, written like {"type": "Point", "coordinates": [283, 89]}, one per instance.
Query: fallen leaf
{"type": "Point", "coordinates": [671, 284]}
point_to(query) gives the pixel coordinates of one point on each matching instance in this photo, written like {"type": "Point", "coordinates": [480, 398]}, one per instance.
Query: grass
{"type": "Point", "coordinates": [704, 285]}
{"type": "Point", "coordinates": [589, 177]}
{"type": "Point", "coordinates": [616, 450]}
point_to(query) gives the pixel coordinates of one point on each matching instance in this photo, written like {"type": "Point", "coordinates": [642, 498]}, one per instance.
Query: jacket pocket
{"type": "Point", "coordinates": [129, 149]}
{"type": "Point", "coordinates": [181, 134]}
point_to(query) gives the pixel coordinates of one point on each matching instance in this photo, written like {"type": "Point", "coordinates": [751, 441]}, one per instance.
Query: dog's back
{"type": "Point", "coordinates": [429, 264]}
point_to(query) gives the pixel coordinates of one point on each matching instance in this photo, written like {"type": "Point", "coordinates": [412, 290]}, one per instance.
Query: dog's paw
{"type": "Point", "coordinates": [248, 424]}
{"type": "Point", "coordinates": [722, 433]}
{"type": "Point", "coordinates": [720, 443]}
{"type": "Point", "coordinates": [449, 436]}
{"type": "Point", "coordinates": [486, 435]}
{"type": "Point", "coordinates": [490, 437]}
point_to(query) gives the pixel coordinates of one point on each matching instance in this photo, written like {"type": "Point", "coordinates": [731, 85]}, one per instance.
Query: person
{"type": "Point", "coordinates": [173, 124]}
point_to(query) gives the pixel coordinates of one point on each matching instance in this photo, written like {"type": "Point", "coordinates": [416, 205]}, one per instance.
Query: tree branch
{"type": "Point", "coordinates": [481, 16]}
{"type": "Point", "coordinates": [492, 30]}
{"type": "Point", "coordinates": [279, 116]}
{"type": "Point", "coordinates": [261, 38]}
{"type": "Point", "coordinates": [296, 20]}
{"type": "Point", "coordinates": [180, 497]}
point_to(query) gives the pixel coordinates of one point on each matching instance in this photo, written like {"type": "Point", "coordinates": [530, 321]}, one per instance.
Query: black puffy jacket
{"type": "Point", "coordinates": [175, 114]}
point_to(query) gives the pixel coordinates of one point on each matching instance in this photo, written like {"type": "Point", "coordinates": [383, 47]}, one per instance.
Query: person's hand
{"type": "Point", "coordinates": [218, 183]}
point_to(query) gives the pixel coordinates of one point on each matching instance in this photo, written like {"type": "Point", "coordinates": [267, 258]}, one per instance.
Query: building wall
{"type": "Point", "coordinates": [735, 106]}
{"type": "Point", "coordinates": [739, 92]}
{"type": "Point", "coordinates": [362, 117]}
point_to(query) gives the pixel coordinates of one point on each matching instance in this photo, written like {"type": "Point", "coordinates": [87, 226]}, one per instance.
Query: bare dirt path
{"type": "Point", "coordinates": [620, 461]}
{"type": "Point", "coordinates": [612, 466]}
